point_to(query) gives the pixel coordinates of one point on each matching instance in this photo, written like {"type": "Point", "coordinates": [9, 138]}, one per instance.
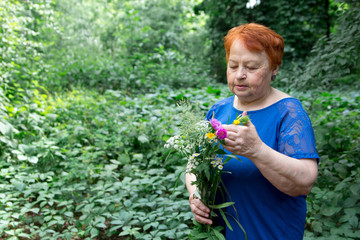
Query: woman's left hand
{"type": "Point", "coordinates": [242, 140]}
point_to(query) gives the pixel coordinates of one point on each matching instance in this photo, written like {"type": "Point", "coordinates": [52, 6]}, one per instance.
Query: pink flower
{"type": "Point", "coordinates": [216, 124]}
{"type": "Point", "coordinates": [221, 133]}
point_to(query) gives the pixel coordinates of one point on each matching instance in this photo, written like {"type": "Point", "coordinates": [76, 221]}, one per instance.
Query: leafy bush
{"type": "Point", "coordinates": [334, 62]}
{"type": "Point", "coordinates": [91, 166]}
{"type": "Point", "coordinates": [300, 23]}
{"type": "Point", "coordinates": [333, 203]}
{"type": "Point", "coordinates": [22, 40]}
{"type": "Point", "coordinates": [124, 45]}
{"type": "Point", "coordinates": [84, 165]}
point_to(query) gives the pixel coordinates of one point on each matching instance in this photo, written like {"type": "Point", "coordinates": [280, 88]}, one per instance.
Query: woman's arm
{"type": "Point", "coordinates": [189, 178]}
{"type": "Point", "coordinates": [292, 176]}
{"type": "Point", "coordinates": [200, 211]}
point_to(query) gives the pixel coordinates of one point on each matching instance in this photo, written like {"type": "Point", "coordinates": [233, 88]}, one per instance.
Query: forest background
{"type": "Point", "coordinates": [88, 98]}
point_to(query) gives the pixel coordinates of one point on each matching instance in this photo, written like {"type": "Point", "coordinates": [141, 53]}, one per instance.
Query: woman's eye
{"type": "Point", "coordinates": [251, 68]}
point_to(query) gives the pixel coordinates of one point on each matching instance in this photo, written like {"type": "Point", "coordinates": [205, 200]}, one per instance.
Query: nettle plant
{"type": "Point", "coordinates": [333, 203]}
{"type": "Point", "coordinates": [85, 165]}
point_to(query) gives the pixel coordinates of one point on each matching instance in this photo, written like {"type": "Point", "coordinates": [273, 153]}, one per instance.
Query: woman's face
{"type": "Point", "coordinates": [248, 73]}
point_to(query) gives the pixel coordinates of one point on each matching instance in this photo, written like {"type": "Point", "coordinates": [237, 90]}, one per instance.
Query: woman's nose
{"type": "Point", "coordinates": [241, 73]}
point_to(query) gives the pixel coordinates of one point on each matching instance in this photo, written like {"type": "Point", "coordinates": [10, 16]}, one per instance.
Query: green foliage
{"type": "Point", "coordinates": [85, 165]}
{"type": "Point", "coordinates": [132, 45]}
{"type": "Point", "coordinates": [300, 23]}
{"type": "Point", "coordinates": [334, 61]}
{"type": "Point", "coordinates": [89, 164]}
{"type": "Point", "coordinates": [92, 166]}
{"type": "Point", "coordinates": [333, 211]}
{"type": "Point", "coordinates": [22, 40]}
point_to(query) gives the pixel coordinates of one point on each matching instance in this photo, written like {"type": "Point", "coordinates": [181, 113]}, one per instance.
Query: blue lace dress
{"type": "Point", "coordinates": [263, 210]}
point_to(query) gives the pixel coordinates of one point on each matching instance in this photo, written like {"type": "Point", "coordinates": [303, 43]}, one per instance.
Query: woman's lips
{"type": "Point", "coordinates": [240, 87]}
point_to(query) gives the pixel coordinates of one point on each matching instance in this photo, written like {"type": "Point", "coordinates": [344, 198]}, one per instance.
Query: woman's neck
{"type": "Point", "coordinates": [271, 97]}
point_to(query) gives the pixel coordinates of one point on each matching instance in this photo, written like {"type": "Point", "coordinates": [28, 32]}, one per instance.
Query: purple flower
{"type": "Point", "coordinates": [221, 133]}
{"type": "Point", "coordinates": [216, 124]}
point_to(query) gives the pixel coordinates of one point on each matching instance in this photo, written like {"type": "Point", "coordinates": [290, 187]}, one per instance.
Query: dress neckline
{"type": "Point", "coordinates": [261, 109]}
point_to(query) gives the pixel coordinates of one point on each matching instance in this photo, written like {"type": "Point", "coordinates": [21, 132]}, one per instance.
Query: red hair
{"type": "Point", "coordinates": [257, 38]}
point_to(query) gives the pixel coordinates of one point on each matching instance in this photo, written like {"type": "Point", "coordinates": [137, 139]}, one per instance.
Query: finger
{"type": "Point", "coordinates": [201, 206]}
{"type": "Point", "coordinates": [229, 141]}
{"type": "Point", "coordinates": [244, 114]}
{"type": "Point", "coordinates": [231, 128]}
{"type": "Point", "coordinates": [197, 211]}
{"type": "Point", "coordinates": [230, 148]}
{"type": "Point", "coordinates": [202, 220]}
{"type": "Point", "coordinates": [231, 135]}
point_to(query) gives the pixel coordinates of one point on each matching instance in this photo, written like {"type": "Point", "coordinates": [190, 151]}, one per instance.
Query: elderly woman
{"type": "Point", "coordinates": [277, 148]}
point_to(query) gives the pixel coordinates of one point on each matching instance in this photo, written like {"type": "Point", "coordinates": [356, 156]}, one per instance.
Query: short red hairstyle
{"type": "Point", "coordinates": [257, 38]}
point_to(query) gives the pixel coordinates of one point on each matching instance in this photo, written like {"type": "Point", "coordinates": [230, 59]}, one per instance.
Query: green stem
{"type": "Point", "coordinates": [214, 190]}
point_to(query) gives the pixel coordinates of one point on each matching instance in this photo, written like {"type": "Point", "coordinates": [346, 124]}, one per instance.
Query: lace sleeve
{"type": "Point", "coordinates": [296, 138]}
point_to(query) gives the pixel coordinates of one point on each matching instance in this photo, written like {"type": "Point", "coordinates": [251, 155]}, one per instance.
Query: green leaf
{"type": "Point", "coordinates": [33, 159]}
{"type": "Point", "coordinates": [218, 234]}
{"type": "Point", "coordinates": [78, 224]}
{"type": "Point", "coordinates": [147, 226]}
{"type": "Point", "coordinates": [24, 235]}
{"type": "Point", "coordinates": [101, 225]}
{"type": "Point", "coordinates": [222, 205]}
{"type": "Point", "coordinates": [115, 228]}
{"type": "Point", "coordinates": [317, 226]}
{"type": "Point", "coordinates": [143, 139]}
{"type": "Point", "coordinates": [68, 235]}
{"type": "Point", "coordinates": [34, 210]}
{"type": "Point", "coordinates": [354, 222]}
{"type": "Point", "coordinates": [94, 232]}
{"type": "Point", "coordinates": [10, 232]}
{"type": "Point", "coordinates": [201, 236]}
{"type": "Point", "coordinates": [52, 222]}
{"type": "Point", "coordinates": [5, 129]}
{"type": "Point", "coordinates": [51, 116]}
{"type": "Point", "coordinates": [330, 211]}
{"type": "Point", "coordinates": [69, 214]}
{"type": "Point", "coordinates": [124, 233]}
{"type": "Point", "coordinates": [22, 157]}
{"type": "Point", "coordinates": [225, 219]}
{"type": "Point", "coordinates": [197, 194]}
{"type": "Point", "coordinates": [13, 238]}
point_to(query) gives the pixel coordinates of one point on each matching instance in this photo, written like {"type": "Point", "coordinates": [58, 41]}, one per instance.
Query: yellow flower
{"type": "Point", "coordinates": [210, 136]}
{"type": "Point", "coordinates": [236, 122]}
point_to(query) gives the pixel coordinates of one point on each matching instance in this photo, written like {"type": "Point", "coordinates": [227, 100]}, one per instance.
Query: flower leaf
{"type": "Point", "coordinates": [225, 219]}
{"type": "Point", "coordinates": [222, 205]}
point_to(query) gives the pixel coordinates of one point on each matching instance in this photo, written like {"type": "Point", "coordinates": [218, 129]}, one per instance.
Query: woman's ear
{"type": "Point", "coordinates": [275, 71]}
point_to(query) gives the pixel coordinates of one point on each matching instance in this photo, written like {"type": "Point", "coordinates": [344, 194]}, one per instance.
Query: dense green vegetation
{"type": "Point", "coordinates": [88, 98]}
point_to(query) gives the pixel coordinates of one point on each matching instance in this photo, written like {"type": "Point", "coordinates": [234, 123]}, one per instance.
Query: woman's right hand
{"type": "Point", "coordinates": [200, 211]}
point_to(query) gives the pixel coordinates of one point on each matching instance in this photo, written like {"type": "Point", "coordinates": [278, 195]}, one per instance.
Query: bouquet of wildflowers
{"type": "Point", "coordinates": [200, 142]}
